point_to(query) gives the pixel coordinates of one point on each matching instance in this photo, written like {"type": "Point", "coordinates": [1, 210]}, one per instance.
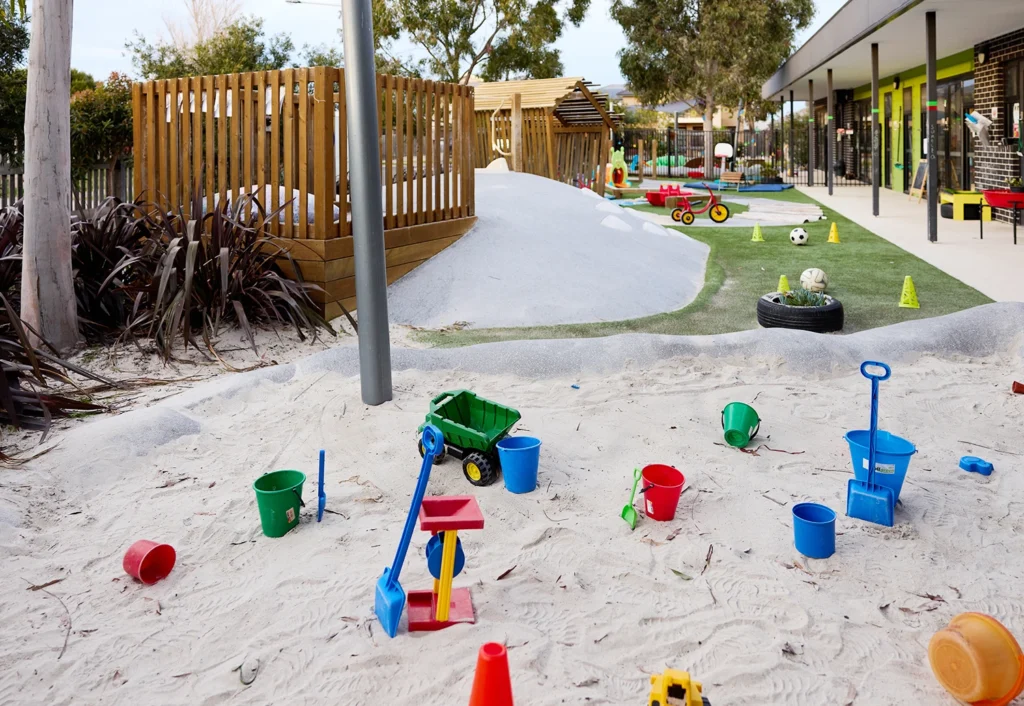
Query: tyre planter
{"type": "Point", "coordinates": [772, 313]}
{"type": "Point", "coordinates": [772, 180]}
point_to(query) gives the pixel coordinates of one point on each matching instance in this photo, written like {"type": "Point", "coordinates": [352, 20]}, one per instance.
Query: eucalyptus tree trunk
{"type": "Point", "coordinates": [709, 137]}
{"type": "Point", "coordinates": [47, 290]}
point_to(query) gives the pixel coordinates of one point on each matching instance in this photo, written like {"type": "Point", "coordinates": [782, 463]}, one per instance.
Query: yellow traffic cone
{"type": "Point", "coordinates": [908, 299]}
{"type": "Point", "coordinates": [758, 238]}
{"type": "Point", "coordinates": [833, 234]}
{"type": "Point", "coordinates": [784, 284]}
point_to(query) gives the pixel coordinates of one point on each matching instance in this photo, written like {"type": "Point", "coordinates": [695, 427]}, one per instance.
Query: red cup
{"type": "Point", "coordinates": [148, 561]}
{"type": "Point", "coordinates": [1018, 388]}
{"type": "Point", "coordinates": [662, 487]}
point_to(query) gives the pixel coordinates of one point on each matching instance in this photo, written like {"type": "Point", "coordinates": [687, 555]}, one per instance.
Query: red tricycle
{"type": "Point", "coordinates": [685, 214]}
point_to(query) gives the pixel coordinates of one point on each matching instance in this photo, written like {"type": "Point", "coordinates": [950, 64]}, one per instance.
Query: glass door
{"type": "Point", "coordinates": [888, 133]}
{"type": "Point", "coordinates": [907, 138]}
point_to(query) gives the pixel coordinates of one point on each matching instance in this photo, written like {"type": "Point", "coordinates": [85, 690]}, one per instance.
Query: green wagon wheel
{"type": "Point", "coordinates": [438, 457]}
{"type": "Point", "coordinates": [478, 469]}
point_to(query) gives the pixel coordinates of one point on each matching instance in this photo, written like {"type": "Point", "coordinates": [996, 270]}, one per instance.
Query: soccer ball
{"type": "Point", "coordinates": [798, 236]}
{"type": "Point", "coordinates": [814, 280]}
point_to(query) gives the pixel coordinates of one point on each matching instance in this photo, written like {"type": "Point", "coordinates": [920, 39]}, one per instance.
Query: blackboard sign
{"type": "Point", "coordinates": [920, 179]}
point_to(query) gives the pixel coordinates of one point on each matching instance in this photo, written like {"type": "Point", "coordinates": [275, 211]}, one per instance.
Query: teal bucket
{"type": "Point", "coordinates": [892, 458]}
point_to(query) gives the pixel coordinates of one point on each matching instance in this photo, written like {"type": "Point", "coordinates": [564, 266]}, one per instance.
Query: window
{"type": "Point", "coordinates": [1012, 107]}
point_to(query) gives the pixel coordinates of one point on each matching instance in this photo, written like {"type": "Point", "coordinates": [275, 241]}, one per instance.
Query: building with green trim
{"type": "Point", "coordinates": [974, 51]}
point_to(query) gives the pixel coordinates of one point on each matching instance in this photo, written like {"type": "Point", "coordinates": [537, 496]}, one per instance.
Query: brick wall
{"type": "Point", "coordinates": [995, 164]}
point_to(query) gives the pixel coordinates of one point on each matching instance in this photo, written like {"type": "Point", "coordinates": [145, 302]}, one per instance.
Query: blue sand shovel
{"type": "Point", "coordinates": [864, 499]}
{"type": "Point", "coordinates": [321, 495]}
{"type": "Point", "coordinates": [390, 598]}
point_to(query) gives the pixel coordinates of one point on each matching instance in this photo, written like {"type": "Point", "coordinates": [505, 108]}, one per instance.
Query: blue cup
{"type": "Point", "coordinates": [520, 458]}
{"type": "Point", "coordinates": [814, 530]}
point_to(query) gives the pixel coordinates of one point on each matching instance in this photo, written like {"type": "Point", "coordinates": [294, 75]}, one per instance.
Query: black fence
{"type": "Point", "coordinates": [773, 155]}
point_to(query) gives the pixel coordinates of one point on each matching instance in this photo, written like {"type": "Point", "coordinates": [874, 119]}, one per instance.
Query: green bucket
{"type": "Point", "coordinates": [740, 423]}
{"type": "Point", "coordinates": [279, 496]}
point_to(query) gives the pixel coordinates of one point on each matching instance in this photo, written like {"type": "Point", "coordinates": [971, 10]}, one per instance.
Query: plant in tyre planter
{"type": "Point", "coordinates": [770, 175]}
{"type": "Point", "coordinates": [1015, 185]}
{"type": "Point", "coordinates": [802, 310]}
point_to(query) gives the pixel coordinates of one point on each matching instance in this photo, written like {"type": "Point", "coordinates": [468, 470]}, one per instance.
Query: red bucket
{"type": "Point", "coordinates": [148, 561]}
{"type": "Point", "coordinates": [662, 487]}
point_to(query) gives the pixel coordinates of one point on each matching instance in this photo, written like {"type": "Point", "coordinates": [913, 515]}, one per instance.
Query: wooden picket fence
{"type": "Point", "coordinates": [538, 141]}
{"type": "Point", "coordinates": [283, 136]}
{"type": "Point", "coordinates": [99, 183]}
{"type": "Point", "coordinates": [570, 154]}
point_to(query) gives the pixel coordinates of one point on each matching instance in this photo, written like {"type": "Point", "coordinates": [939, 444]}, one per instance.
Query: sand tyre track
{"type": "Point", "coordinates": [819, 319]}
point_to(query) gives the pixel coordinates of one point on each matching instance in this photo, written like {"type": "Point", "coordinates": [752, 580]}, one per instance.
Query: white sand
{"type": "Point", "coordinates": [546, 253]}
{"type": "Point", "coordinates": [590, 609]}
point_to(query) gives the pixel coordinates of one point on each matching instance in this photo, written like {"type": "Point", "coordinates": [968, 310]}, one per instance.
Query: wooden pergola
{"type": "Point", "coordinates": [557, 127]}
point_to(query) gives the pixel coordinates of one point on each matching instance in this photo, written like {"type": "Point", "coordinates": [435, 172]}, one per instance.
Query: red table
{"type": "Point", "coordinates": [1001, 198]}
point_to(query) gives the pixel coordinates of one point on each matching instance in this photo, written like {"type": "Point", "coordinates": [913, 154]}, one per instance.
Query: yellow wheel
{"type": "Point", "coordinates": [719, 213]}
{"type": "Point", "coordinates": [688, 218]}
{"type": "Point", "coordinates": [478, 469]}
{"type": "Point", "coordinates": [677, 214]}
{"type": "Point", "coordinates": [438, 457]}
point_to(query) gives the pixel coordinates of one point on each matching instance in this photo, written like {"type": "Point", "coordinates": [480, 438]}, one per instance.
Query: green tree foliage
{"type": "Point", "coordinates": [13, 45]}
{"type": "Point", "coordinates": [717, 51]}
{"type": "Point", "coordinates": [81, 81]}
{"type": "Point", "coordinates": [526, 52]}
{"type": "Point", "coordinates": [101, 124]}
{"type": "Point", "coordinates": [240, 46]}
{"type": "Point", "coordinates": [386, 31]}
{"type": "Point", "coordinates": [461, 37]}
{"type": "Point", "coordinates": [14, 84]}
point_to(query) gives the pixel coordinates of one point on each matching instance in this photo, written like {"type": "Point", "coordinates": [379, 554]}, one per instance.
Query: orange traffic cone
{"type": "Point", "coordinates": [492, 685]}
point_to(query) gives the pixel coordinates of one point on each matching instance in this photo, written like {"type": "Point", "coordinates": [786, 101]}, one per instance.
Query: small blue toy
{"type": "Point", "coordinates": [973, 464]}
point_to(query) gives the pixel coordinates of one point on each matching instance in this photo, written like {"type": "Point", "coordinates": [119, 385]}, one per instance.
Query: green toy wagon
{"type": "Point", "coordinates": [472, 427]}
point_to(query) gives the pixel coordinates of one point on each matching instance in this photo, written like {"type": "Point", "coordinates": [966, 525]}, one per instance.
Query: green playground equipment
{"type": "Point", "coordinates": [472, 427]}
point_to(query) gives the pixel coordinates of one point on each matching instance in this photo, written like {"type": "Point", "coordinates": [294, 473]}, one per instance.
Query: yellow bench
{"type": "Point", "coordinates": [959, 199]}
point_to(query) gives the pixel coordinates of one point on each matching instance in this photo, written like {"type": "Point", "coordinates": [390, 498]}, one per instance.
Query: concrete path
{"type": "Point", "coordinates": [994, 266]}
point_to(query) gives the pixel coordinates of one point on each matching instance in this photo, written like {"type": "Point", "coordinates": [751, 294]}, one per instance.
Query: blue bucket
{"type": "Point", "coordinates": [892, 458]}
{"type": "Point", "coordinates": [814, 530]}
{"type": "Point", "coordinates": [520, 458]}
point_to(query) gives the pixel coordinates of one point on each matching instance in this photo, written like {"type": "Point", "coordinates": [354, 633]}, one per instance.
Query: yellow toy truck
{"type": "Point", "coordinates": [675, 688]}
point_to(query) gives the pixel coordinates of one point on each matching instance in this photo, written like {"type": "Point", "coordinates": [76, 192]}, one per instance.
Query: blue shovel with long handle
{"type": "Point", "coordinates": [864, 499]}
{"type": "Point", "coordinates": [321, 493]}
{"type": "Point", "coordinates": [390, 598]}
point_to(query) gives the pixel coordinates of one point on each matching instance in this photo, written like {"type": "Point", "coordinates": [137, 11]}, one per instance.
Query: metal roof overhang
{"type": "Point", "coordinates": [843, 44]}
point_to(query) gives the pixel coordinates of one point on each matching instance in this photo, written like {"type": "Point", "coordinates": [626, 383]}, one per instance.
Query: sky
{"type": "Point", "coordinates": [101, 28]}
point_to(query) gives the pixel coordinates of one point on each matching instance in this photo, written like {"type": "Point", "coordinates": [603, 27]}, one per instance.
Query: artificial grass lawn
{"type": "Point", "coordinates": [865, 273]}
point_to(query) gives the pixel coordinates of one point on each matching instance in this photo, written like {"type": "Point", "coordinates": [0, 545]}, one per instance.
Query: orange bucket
{"type": "Point", "coordinates": [977, 660]}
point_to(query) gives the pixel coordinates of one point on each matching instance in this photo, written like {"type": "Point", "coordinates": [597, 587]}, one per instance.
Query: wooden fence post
{"type": "Point", "coordinates": [517, 132]}
{"type": "Point", "coordinates": [552, 150]}
{"type": "Point", "coordinates": [603, 174]}
{"type": "Point", "coordinates": [654, 159]}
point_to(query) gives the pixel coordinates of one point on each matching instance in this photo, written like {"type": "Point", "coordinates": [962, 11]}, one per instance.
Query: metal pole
{"type": "Point", "coordinates": [933, 143]}
{"type": "Point", "coordinates": [811, 141]}
{"type": "Point", "coordinates": [792, 135]}
{"type": "Point", "coordinates": [367, 215]}
{"type": "Point", "coordinates": [830, 136]}
{"type": "Point", "coordinates": [876, 133]}
{"type": "Point", "coordinates": [782, 134]}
